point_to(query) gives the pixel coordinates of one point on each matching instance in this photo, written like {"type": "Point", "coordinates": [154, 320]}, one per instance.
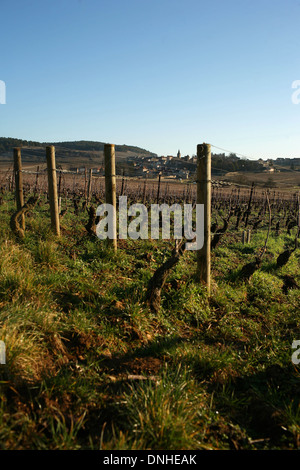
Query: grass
{"type": "Point", "coordinates": [89, 366]}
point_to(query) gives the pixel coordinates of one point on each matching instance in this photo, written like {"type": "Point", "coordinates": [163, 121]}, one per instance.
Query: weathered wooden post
{"type": "Point", "coordinates": [37, 179]}
{"type": "Point", "coordinates": [89, 193]}
{"type": "Point", "coordinates": [248, 236]}
{"type": "Point", "coordinates": [158, 189]}
{"type": "Point", "coordinates": [244, 237]}
{"type": "Point", "coordinates": [19, 183]}
{"type": "Point", "coordinates": [122, 185]}
{"type": "Point", "coordinates": [110, 185]}
{"type": "Point", "coordinates": [52, 189]}
{"type": "Point", "coordinates": [85, 183]}
{"type": "Point", "coordinates": [59, 204]}
{"type": "Point", "coordinates": [204, 197]}
{"type": "Point", "coordinates": [59, 183]}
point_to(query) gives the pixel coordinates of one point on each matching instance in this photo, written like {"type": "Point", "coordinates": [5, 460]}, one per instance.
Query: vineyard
{"type": "Point", "coordinates": [92, 363]}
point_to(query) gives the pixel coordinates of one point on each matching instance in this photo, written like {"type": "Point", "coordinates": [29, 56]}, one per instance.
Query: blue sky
{"type": "Point", "coordinates": [160, 74]}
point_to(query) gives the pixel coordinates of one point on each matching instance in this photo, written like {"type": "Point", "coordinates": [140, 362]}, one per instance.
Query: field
{"type": "Point", "coordinates": [275, 181]}
{"type": "Point", "coordinates": [89, 365]}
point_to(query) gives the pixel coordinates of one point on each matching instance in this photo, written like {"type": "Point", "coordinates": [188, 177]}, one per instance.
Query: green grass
{"type": "Point", "coordinates": [89, 366]}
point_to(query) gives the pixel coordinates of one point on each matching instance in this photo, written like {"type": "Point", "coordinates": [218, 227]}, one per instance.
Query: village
{"type": "Point", "coordinates": [171, 167]}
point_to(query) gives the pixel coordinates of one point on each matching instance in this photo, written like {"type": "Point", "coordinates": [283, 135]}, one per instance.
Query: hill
{"type": "Point", "coordinates": [72, 153]}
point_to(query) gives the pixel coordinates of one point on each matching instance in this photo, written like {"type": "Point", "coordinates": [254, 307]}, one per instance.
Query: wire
{"type": "Point", "coordinates": [249, 158]}
{"type": "Point", "coordinates": [230, 151]}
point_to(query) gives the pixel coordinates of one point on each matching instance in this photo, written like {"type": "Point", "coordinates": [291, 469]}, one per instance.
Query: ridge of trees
{"type": "Point", "coordinates": [233, 163]}
{"type": "Point", "coordinates": [8, 143]}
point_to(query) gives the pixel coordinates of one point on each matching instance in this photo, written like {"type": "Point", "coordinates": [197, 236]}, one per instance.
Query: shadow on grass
{"type": "Point", "coordinates": [154, 350]}
{"type": "Point", "coordinates": [265, 404]}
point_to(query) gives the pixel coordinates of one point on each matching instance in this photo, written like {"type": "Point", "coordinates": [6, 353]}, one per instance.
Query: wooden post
{"type": "Point", "coordinates": [248, 236]}
{"type": "Point", "coordinates": [110, 184]}
{"type": "Point", "coordinates": [89, 193]}
{"type": "Point", "coordinates": [122, 186]}
{"type": "Point", "coordinates": [19, 183]}
{"type": "Point", "coordinates": [37, 179]}
{"type": "Point", "coordinates": [158, 190]}
{"type": "Point", "coordinates": [52, 189]}
{"type": "Point", "coordinates": [85, 184]}
{"type": "Point", "coordinates": [204, 197]}
{"type": "Point", "coordinates": [59, 183]}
